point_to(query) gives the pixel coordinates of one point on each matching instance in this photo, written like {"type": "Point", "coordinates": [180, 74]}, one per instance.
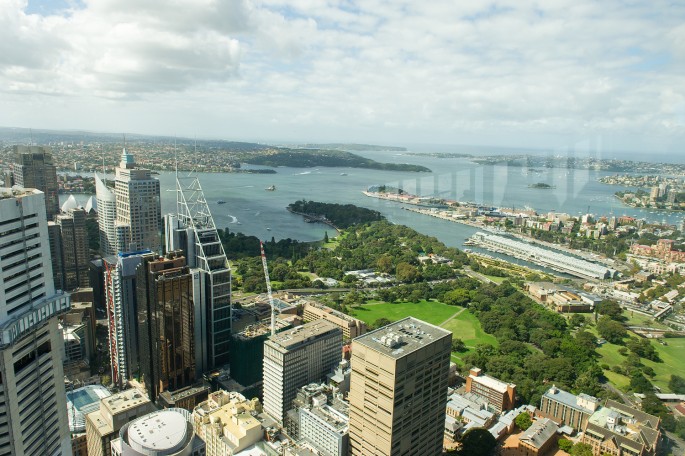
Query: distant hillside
{"type": "Point", "coordinates": [354, 147]}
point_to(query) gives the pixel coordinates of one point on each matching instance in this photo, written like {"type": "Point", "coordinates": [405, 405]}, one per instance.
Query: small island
{"type": "Point", "coordinates": [542, 185]}
{"type": "Point", "coordinates": [338, 216]}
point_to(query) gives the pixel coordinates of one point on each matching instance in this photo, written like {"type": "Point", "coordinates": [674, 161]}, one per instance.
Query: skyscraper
{"type": "Point", "coordinates": [74, 246]}
{"type": "Point", "coordinates": [295, 358]}
{"type": "Point", "coordinates": [166, 319]}
{"type": "Point", "coordinates": [107, 217]}
{"type": "Point", "coordinates": [138, 207]}
{"type": "Point", "coordinates": [193, 231]}
{"type": "Point", "coordinates": [33, 419]}
{"type": "Point", "coordinates": [122, 310]}
{"type": "Point", "coordinates": [34, 167]}
{"type": "Point", "coordinates": [129, 216]}
{"type": "Point", "coordinates": [398, 389]}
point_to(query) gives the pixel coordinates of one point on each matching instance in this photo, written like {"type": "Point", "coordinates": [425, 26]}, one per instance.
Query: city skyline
{"type": "Point", "coordinates": [501, 73]}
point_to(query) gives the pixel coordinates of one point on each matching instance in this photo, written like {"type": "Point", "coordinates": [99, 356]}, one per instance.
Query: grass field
{"type": "Point", "coordinates": [467, 327]}
{"type": "Point", "coordinates": [429, 311]}
{"type": "Point", "coordinates": [672, 355]}
{"type": "Point", "coordinates": [636, 319]}
{"type": "Point", "coordinates": [464, 326]}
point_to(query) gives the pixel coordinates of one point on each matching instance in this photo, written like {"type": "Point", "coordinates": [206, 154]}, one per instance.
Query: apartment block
{"type": "Point", "coordinates": [499, 395]}
{"type": "Point", "coordinates": [398, 389]}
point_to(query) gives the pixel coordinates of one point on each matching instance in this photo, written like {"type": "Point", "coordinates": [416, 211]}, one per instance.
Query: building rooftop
{"type": "Point", "coordinates": [163, 431]}
{"type": "Point", "coordinates": [402, 337]}
{"type": "Point", "coordinates": [568, 399]}
{"type": "Point", "coordinates": [630, 428]}
{"type": "Point", "coordinates": [539, 433]}
{"type": "Point", "coordinates": [490, 382]}
{"type": "Point", "coordinates": [17, 192]}
{"type": "Point", "coordinates": [82, 401]}
{"type": "Point", "coordinates": [120, 402]}
{"type": "Point", "coordinates": [291, 338]}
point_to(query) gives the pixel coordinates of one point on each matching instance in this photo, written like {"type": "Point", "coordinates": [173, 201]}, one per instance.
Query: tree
{"type": "Point", "coordinates": [581, 449]}
{"type": "Point", "coordinates": [523, 421]}
{"type": "Point", "coordinates": [325, 237]}
{"type": "Point", "coordinates": [677, 384]}
{"type": "Point", "coordinates": [477, 442]}
{"type": "Point", "coordinates": [611, 330]}
{"type": "Point", "coordinates": [458, 345]}
{"type": "Point", "coordinates": [458, 297]}
{"type": "Point", "coordinates": [381, 322]}
{"type": "Point", "coordinates": [640, 384]}
{"type": "Point", "coordinates": [405, 272]}
{"type": "Point", "coordinates": [384, 264]}
{"type": "Point", "coordinates": [565, 445]}
{"type": "Point", "coordinates": [610, 308]}
{"type": "Point", "coordinates": [577, 320]}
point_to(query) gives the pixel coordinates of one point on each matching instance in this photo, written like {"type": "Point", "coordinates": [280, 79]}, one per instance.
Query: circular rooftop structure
{"type": "Point", "coordinates": [159, 433]}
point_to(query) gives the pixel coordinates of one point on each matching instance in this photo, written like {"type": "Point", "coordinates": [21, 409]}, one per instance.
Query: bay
{"type": "Point", "coordinates": [251, 209]}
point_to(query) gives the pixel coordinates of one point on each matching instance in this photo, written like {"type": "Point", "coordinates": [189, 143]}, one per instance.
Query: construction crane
{"type": "Point", "coordinates": [268, 289]}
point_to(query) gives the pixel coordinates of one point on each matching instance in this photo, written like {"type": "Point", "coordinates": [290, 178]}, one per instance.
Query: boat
{"type": "Point", "coordinates": [268, 229]}
{"type": "Point", "coordinates": [221, 202]}
{"type": "Point", "coordinates": [343, 174]}
{"type": "Point", "coordinates": [270, 188]}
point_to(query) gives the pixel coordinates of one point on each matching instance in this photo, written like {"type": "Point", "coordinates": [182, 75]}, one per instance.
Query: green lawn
{"type": "Point", "coordinates": [428, 311]}
{"type": "Point", "coordinates": [467, 327]}
{"type": "Point", "coordinates": [672, 356]}
{"type": "Point", "coordinates": [636, 319]}
{"type": "Point", "coordinates": [464, 326]}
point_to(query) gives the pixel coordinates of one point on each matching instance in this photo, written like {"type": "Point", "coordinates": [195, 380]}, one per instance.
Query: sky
{"type": "Point", "coordinates": [607, 75]}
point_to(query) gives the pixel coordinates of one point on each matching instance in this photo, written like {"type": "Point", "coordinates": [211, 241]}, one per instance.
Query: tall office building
{"type": "Point", "coordinates": [32, 397]}
{"type": "Point", "coordinates": [138, 206]}
{"type": "Point", "coordinates": [193, 231]}
{"type": "Point", "coordinates": [166, 320]}
{"type": "Point", "coordinates": [398, 389]}
{"type": "Point", "coordinates": [122, 311]}
{"type": "Point", "coordinates": [129, 216]}
{"type": "Point", "coordinates": [74, 249]}
{"type": "Point", "coordinates": [107, 217]}
{"type": "Point", "coordinates": [33, 167]}
{"type": "Point", "coordinates": [295, 358]}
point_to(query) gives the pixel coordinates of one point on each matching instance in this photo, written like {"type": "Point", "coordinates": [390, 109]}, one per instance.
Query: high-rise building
{"type": "Point", "coordinates": [122, 311]}
{"type": "Point", "coordinates": [193, 231]}
{"type": "Point", "coordinates": [138, 206]}
{"type": "Point", "coordinates": [103, 425]}
{"type": "Point", "coordinates": [398, 389]}
{"type": "Point", "coordinates": [32, 397]}
{"type": "Point", "coordinates": [33, 167]}
{"type": "Point", "coordinates": [166, 319]}
{"type": "Point", "coordinates": [296, 357]}
{"type": "Point", "coordinates": [107, 217]}
{"type": "Point", "coordinates": [351, 327]}
{"type": "Point", "coordinates": [129, 216]}
{"type": "Point", "coordinates": [74, 249]}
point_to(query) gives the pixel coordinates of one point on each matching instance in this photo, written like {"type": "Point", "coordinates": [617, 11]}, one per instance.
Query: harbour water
{"type": "Point", "coordinates": [251, 209]}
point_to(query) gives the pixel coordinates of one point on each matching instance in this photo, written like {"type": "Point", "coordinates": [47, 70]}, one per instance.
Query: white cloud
{"type": "Point", "coordinates": [407, 71]}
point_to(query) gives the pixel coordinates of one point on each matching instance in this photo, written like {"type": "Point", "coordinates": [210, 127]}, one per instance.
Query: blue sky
{"type": "Point", "coordinates": [520, 73]}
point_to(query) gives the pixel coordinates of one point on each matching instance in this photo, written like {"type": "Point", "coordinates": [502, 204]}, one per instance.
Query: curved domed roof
{"type": "Point", "coordinates": [70, 203]}
{"type": "Point", "coordinates": [91, 205]}
{"type": "Point", "coordinates": [102, 191]}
